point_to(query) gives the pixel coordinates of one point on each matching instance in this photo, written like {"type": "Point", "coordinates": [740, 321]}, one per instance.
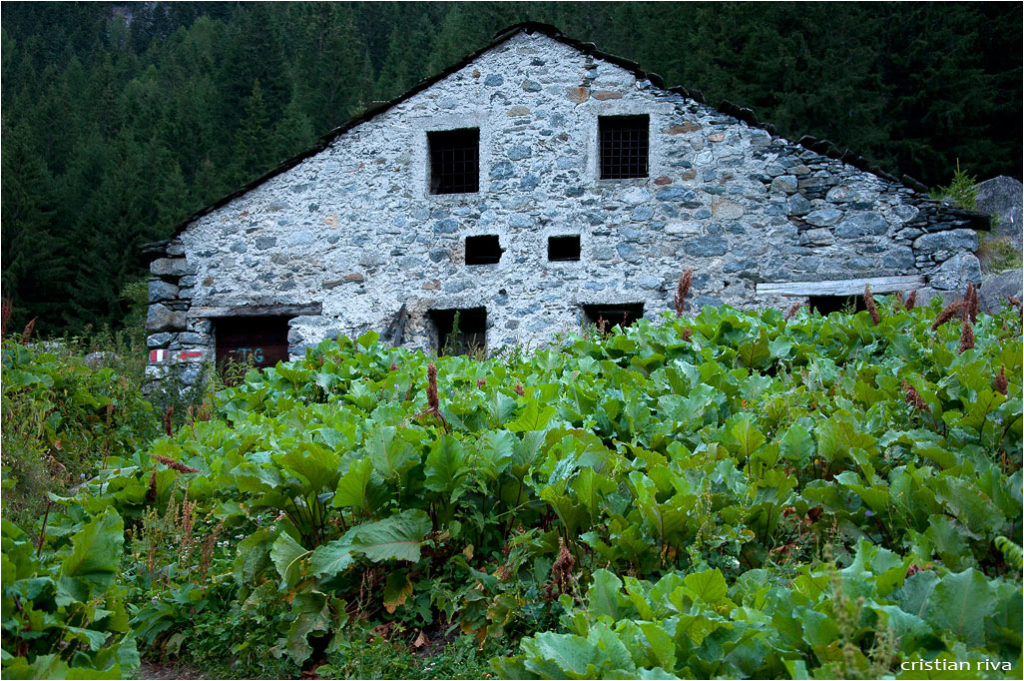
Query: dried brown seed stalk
{"type": "Point", "coordinates": [519, 389]}
{"type": "Point", "coordinates": [6, 308]}
{"type": "Point", "coordinates": [432, 400]}
{"type": "Point", "coordinates": [869, 304]}
{"type": "Point", "coordinates": [966, 336]}
{"type": "Point", "coordinates": [176, 465]}
{"type": "Point", "coordinates": [949, 312]}
{"type": "Point", "coordinates": [911, 300]}
{"type": "Point", "coordinates": [913, 398]}
{"type": "Point", "coordinates": [27, 332]}
{"type": "Point", "coordinates": [687, 334]}
{"type": "Point", "coordinates": [899, 298]}
{"type": "Point", "coordinates": [682, 289]}
{"type": "Point", "coordinates": [793, 310]}
{"type": "Point", "coordinates": [1000, 383]}
{"type": "Point", "coordinates": [168, 413]}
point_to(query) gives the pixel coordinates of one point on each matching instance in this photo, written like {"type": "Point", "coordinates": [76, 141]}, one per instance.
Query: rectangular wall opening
{"type": "Point", "coordinates": [624, 146]}
{"type": "Point", "coordinates": [564, 248]}
{"type": "Point", "coordinates": [255, 341]}
{"type": "Point", "coordinates": [604, 317]}
{"type": "Point", "coordinates": [827, 304]}
{"type": "Point", "coordinates": [483, 250]}
{"type": "Point", "coordinates": [454, 161]}
{"type": "Point", "coordinates": [460, 331]}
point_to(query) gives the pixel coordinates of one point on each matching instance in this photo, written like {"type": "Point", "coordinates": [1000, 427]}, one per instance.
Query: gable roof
{"type": "Point", "coordinates": [824, 147]}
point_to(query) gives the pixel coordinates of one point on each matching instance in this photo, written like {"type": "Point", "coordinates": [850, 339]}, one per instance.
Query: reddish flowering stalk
{"type": "Point", "coordinates": [911, 300]}
{"type": "Point", "coordinates": [176, 465]}
{"type": "Point", "coordinates": [432, 400]}
{"type": "Point", "coordinates": [913, 398]}
{"type": "Point", "coordinates": [687, 334]}
{"type": "Point", "coordinates": [481, 383]}
{"type": "Point", "coordinates": [168, 413]}
{"type": "Point", "coordinates": [27, 332]}
{"type": "Point", "coordinates": [972, 303]}
{"type": "Point", "coordinates": [949, 312]}
{"type": "Point", "coordinates": [682, 289]}
{"type": "Point", "coordinates": [151, 492]}
{"type": "Point", "coordinates": [1000, 383]}
{"type": "Point", "coordinates": [793, 310]}
{"type": "Point", "coordinates": [899, 298]}
{"type": "Point", "coordinates": [869, 303]}
{"type": "Point", "coordinates": [519, 389]}
{"type": "Point", "coordinates": [6, 309]}
{"type": "Point", "coordinates": [966, 335]}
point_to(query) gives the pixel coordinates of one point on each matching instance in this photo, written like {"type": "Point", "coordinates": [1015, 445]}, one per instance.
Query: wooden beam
{"type": "Point", "coordinates": [257, 311]}
{"type": "Point", "coordinates": [842, 287]}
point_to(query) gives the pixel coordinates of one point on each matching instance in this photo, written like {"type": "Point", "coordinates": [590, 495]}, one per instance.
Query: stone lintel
{"type": "Point", "coordinates": [283, 310]}
{"type": "Point", "coordinates": [843, 287]}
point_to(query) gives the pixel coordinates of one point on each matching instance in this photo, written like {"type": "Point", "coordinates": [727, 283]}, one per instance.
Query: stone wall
{"type": "Point", "coordinates": [356, 229]}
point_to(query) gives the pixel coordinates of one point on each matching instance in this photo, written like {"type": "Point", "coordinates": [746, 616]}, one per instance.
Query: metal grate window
{"type": "Point", "coordinates": [454, 161]}
{"type": "Point", "coordinates": [624, 146]}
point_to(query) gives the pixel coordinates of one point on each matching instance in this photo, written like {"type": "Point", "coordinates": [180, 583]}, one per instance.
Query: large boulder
{"type": "Point", "coordinates": [997, 289]}
{"type": "Point", "coordinates": [1001, 197]}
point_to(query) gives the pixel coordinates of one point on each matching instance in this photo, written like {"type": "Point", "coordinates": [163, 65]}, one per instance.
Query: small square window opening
{"type": "Point", "coordinates": [624, 146]}
{"type": "Point", "coordinates": [454, 161]}
{"type": "Point", "coordinates": [564, 248]}
{"type": "Point", "coordinates": [604, 317]}
{"type": "Point", "coordinates": [256, 341]}
{"type": "Point", "coordinates": [483, 250]}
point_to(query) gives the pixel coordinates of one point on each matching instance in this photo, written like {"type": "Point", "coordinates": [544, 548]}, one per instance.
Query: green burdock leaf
{"type": "Point", "coordinates": [533, 417]}
{"type": "Point", "coordinates": [708, 586]}
{"type": "Point", "coordinates": [286, 554]}
{"type": "Point", "coordinates": [747, 436]}
{"type": "Point", "coordinates": [395, 538]}
{"type": "Point", "coordinates": [561, 656]}
{"type": "Point", "coordinates": [397, 590]}
{"type": "Point", "coordinates": [95, 556]}
{"type": "Point", "coordinates": [445, 464]}
{"type": "Point", "coordinates": [390, 453]}
{"type": "Point", "coordinates": [312, 614]}
{"type": "Point", "coordinates": [960, 603]}
{"type": "Point", "coordinates": [251, 555]}
{"type": "Point", "coordinates": [797, 444]}
{"type": "Point", "coordinates": [603, 594]}
{"type": "Point", "coordinates": [352, 485]}
{"type": "Point", "coordinates": [315, 464]}
{"type": "Point", "coordinates": [332, 558]}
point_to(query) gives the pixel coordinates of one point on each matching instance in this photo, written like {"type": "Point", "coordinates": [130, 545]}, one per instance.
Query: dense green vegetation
{"type": "Point", "coordinates": [733, 495]}
{"type": "Point", "coordinates": [121, 119]}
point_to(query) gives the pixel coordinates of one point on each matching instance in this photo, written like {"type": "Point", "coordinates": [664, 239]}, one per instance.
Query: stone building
{"type": "Point", "coordinates": [537, 185]}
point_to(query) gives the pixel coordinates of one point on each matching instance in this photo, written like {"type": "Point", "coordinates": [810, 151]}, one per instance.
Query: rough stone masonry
{"type": "Point", "coordinates": [341, 240]}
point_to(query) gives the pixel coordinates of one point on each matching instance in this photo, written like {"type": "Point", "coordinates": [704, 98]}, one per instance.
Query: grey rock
{"type": "Point", "coordinates": [628, 253]}
{"type": "Point", "coordinates": [531, 85]}
{"type": "Point", "coordinates": [675, 194]}
{"type": "Point", "coordinates": [956, 273]}
{"type": "Point", "coordinates": [1001, 196]}
{"type": "Point", "coordinates": [161, 290]}
{"type": "Point", "coordinates": [519, 152]}
{"type": "Point", "coordinates": [949, 240]}
{"type": "Point", "coordinates": [865, 224]}
{"type": "Point", "coordinates": [161, 318]}
{"type": "Point", "coordinates": [824, 217]}
{"type": "Point", "coordinates": [446, 226]}
{"type": "Point", "coordinates": [642, 213]}
{"type": "Point", "coordinates": [170, 267]}
{"type": "Point", "coordinates": [159, 340]}
{"type": "Point", "coordinates": [798, 205]}
{"type": "Point", "coordinates": [784, 184]}
{"type": "Point", "coordinates": [502, 171]}
{"type": "Point", "coordinates": [997, 289]}
{"type": "Point", "coordinates": [706, 247]}
{"type": "Point", "coordinates": [647, 281]}
{"type": "Point", "coordinates": [494, 80]}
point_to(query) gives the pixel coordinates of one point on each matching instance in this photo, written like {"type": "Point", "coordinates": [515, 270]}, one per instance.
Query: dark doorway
{"type": "Point", "coordinates": [564, 248]}
{"type": "Point", "coordinates": [604, 317]}
{"type": "Point", "coordinates": [460, 331]}
{"type": "Point", "coordinates": [255, 341]}
{"type": "Point", "coordinates": [483, 250]}
{"type": "Point", "coordinates": [827, 304]}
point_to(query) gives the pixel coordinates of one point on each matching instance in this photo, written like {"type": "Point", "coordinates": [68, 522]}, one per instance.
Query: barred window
{"type": "Point", "coordinates": [454, 161]}
{"type": "Point", "coordinates": [624, 146]}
